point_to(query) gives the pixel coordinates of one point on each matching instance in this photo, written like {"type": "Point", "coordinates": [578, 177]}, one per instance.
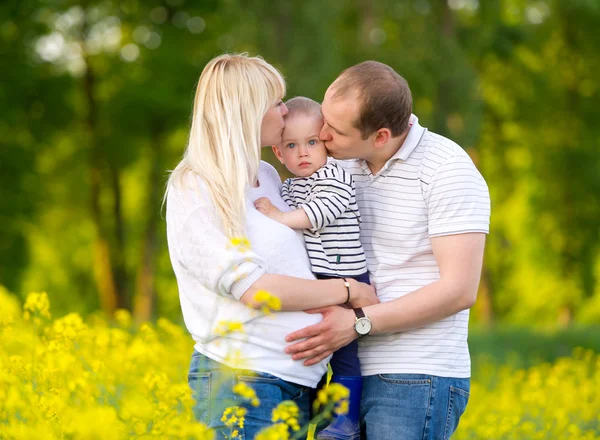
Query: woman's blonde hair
{"type": "Point", "coordinates": [234, 93]}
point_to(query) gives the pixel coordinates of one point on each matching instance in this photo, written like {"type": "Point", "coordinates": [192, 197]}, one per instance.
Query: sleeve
{"type": "Point", "coordinates": [224, 266]}
{"type": "Point", "coordinates": [458, 199]}
{"type": "Point", "coordinates": [331, 195]}
{"type": "Point", "coordinates": [287, 193]}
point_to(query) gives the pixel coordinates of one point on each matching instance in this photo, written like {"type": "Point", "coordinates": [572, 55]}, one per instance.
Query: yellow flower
{"type": "Point", "coordinates": [287, 412]}
{"type": "Point", "coordinates": [241, 243]}
{"type": "Point", "coordinates": [335, 396]}
{"type": "Point", "coordinates": [225, 327]}
{"type": "Point", "coordinates": [123, 318]}
{"type": "Point", "coordinates": [278, 431]}
{"type": "Point", "coordinates": [36, 306]}
{"type": "Point", "coordinates": [234, 415]}
{"type": "Point", "coordinates": [267, 302]}
{"type": "Point", "coordinates": [69, 327]}
{"type": "Point", "coordinates": [247, 392]}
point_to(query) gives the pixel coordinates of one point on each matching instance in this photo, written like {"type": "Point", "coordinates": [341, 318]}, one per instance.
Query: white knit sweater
{"type": "Point", "coordinates": [212, 275]}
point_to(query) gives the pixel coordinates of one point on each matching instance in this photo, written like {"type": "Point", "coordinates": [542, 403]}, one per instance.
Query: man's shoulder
{"type": "Point", "coordinates": [438, 150]}
{"type": "Point", "coordinates": [437, 145]}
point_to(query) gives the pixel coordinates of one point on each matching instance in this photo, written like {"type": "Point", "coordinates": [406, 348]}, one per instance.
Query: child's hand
{"type": "Point", "coordinates": [265, 206]}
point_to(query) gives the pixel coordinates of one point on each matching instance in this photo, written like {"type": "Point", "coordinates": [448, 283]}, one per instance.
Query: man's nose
{"type": "Point", "coordinates": [324, 134]}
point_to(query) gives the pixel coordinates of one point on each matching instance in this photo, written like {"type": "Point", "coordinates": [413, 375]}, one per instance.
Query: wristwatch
{"type": "Point", "coordinates": [362, 325]}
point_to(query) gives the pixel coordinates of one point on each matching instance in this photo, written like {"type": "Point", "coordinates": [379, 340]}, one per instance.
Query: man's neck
{"type": "Point", "coordinates": [380, 156]}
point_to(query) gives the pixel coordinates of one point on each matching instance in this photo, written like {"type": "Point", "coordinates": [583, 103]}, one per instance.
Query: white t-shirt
{"type": "Point", "coordinates": [429, 188]}
{"type": "Point", "coordinates": [212, 275]}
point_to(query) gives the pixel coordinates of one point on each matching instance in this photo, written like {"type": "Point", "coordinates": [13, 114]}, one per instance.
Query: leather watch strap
{"type": "Point", "coordinates": [359, 313]}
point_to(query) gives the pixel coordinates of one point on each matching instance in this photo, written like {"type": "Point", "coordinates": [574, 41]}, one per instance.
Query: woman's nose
{"type": "Point", "coordinates": [284, 109]}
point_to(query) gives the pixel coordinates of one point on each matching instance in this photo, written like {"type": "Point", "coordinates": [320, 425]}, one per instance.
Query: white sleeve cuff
{"type": "Point", "coordinates": [239, 287]}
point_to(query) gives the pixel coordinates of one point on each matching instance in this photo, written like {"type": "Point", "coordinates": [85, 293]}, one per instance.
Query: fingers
{"type": "Point", "coordinates": [309, 349]}
{"type": "Point", "coordinates": [317, 358]}
{"type": "Point", "coordinates": [308, 345]}
{"type": "Point", "coordinates": [303, 333]}
{"type": "Point", "coordinates": [309, 354]}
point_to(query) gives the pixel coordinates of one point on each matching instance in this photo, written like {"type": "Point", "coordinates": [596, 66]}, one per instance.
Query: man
{"type": "Point", "coordinates": [425, 211]}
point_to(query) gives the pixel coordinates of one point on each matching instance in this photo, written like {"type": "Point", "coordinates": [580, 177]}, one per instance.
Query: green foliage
{"type": "Point", "coordinates": [96, 107]}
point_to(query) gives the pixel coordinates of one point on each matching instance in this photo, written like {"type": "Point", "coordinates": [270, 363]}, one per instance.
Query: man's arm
{"type": "Point", "coordinates": [460, 259]}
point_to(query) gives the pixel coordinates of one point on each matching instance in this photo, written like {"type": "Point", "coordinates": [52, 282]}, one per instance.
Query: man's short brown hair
{"type": "Point", "coordinates": [386, 101]}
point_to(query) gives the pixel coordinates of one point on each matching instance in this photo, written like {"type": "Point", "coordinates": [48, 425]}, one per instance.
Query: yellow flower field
{"type": "Point", "coordinates": [73, 379]}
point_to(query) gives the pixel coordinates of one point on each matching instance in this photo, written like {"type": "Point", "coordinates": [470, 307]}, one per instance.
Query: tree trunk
{"type": "Point", "coordinates": [103, 269]}
{"type": "Point", "coordinates": [103, 265]}
{"type": "Point", "coordinates": [145, 292]}
{"type": "Point", "coordinates": [119, 269]}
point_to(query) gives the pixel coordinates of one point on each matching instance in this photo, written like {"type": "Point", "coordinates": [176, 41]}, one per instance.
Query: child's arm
{"type": "Point", "coordinates": [332, 194]}
{"type": "Point", "coordinates": [296, 219]}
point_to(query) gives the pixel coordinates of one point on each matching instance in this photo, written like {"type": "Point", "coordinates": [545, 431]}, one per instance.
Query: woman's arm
{"type": "Point", "coordinates": [302, 294]}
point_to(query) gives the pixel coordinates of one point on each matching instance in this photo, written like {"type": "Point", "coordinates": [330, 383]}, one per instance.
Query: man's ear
{"type": "Point", "coordinates": [277, 153]}
{"type": "Point", "coordinates": [382, 137]}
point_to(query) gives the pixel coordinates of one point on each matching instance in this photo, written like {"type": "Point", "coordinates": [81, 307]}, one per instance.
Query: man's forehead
{"type": "Point", "coordinates": [340, 107]}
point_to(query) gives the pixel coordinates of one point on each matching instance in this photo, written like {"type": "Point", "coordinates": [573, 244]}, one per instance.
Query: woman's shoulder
{"type": "Point", "coordinates": [187, 189]}
{"type": "Point", "coordinates": [267, 169]}
{"type": "Point", "coordinates": [267, 172]}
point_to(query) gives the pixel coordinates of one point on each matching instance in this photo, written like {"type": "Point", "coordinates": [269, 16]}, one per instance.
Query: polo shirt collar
{"type": "Point", "coordinates": [415, 134]}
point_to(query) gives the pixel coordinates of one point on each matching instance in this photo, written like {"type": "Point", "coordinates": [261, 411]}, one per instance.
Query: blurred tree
{"type": "Point", "coordinates": [97, 101]}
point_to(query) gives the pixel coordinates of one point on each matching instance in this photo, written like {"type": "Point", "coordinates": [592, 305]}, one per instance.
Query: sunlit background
{"type": "Point", "coordinates": [96, 101]}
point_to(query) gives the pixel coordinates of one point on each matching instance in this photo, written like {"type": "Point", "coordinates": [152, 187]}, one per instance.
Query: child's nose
{"type": "Point", "coordinates": [302, 150]}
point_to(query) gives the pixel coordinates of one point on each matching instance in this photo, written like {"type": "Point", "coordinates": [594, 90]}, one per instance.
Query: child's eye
{"type": "Point", "coordinates": [312, 142]}
{"type": "Point", "coordinates": [291, 145]}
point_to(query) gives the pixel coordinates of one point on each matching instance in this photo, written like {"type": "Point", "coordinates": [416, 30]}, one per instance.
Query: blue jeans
{"type": "Point", "coordinates": [212, 383]}
{"type": "Point", "coordinates": [412, 406]}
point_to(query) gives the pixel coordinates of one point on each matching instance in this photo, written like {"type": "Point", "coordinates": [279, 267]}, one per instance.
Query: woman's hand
{"type": "Point", "coordinates": [361, 294]}
{"type": "Point", "coordinates": [264, 206]}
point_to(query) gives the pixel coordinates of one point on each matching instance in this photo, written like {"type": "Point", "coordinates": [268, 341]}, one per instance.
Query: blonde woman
{"type": "Point", "coordinates": [210, 207]}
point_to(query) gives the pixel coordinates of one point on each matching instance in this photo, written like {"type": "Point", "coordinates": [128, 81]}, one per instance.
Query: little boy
{"type": "Point", "coordinates": [323, 196]}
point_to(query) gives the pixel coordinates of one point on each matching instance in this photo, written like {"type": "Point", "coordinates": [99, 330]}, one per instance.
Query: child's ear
{"type": "Point", "coordinates": [277, 153]}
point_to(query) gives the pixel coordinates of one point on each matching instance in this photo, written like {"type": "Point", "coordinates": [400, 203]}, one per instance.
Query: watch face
{"type": "Point", "coordinates": [363, 326]}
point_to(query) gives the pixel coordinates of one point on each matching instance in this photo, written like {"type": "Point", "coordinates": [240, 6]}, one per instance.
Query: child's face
{"type": "Point", "coordinates": [301, 151]}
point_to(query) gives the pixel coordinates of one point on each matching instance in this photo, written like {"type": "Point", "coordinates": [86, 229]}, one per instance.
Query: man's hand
{"type": "Point", "coordinates": [264, 206]}
{"type": "Point", "coordinates": [335, 331]}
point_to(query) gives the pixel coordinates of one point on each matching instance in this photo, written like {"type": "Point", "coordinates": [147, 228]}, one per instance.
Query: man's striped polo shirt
{"type": "Point", "coordinates": [429, 188]}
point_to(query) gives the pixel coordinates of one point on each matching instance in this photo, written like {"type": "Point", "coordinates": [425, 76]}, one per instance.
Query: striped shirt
{"type": "Point", "coordinates": [429, 188]}
{"type": "Point", "coordinates": [328, 198]}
